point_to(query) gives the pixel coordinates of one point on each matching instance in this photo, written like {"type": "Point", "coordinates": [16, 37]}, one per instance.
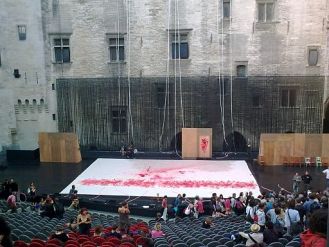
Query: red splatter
{"type": "Point", "coordinates": [169, 183]}
{"type": "Point", "coordinates": [204, 144]}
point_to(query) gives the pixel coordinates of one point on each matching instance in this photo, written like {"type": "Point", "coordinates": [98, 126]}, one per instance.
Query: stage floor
{"type": "Point", "coordinates": [152, 178]}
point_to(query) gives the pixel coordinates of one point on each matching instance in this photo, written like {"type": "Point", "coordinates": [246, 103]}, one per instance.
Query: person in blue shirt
{"type": "Point", "coordinates": [291, 216]}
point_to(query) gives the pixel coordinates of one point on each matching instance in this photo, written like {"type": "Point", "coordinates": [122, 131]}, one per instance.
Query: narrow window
{"type": "Point", "coordinates": [180, 47]}
{"type": "Point", "coordinates": [54, 117]}
{"type": "Point", "coordinates": [117, 49]}
{"type": "Point", "coordinates": [256, 101]}
{"type": "Point", "coordinates": [161, 96]}
{"type": "Point", "coordinates": [288, 98]}
{"type": "Point", "coordinates": [21, 32]}
{"type": "Point", "coordinates": [313, 57]}
{"type": "Point", "coordinates": [226, 9]}
{"type": "Point", "coordinates": [265, 11]}
{"type": "Point", "coordinates": [62, 50]}
{"type": "Point", "coordinates": [241, 71]}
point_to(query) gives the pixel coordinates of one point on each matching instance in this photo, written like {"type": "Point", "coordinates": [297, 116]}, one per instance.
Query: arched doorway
{"type": "Point", "coordinates": [326, 117]}
{"type": "Point", "coordinates": [235, 142]}
{"type": "Point", "coordinates": [176, 142]}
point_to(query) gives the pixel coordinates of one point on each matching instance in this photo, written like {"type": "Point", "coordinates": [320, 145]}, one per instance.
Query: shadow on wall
{"type": "Point", "coordinates": [235, 142]}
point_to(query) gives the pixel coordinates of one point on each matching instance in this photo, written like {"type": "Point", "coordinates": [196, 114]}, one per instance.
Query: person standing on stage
{"type": "Point", "coordinates": [124, 222]}
{"type": "Point", "coordinates": [164, 206]}
{"type": "Point", "coordinates": [296, 183]}
{"type": "Point", "coordinates": [307, 180]}
{"type": "Point", "coordinates": [326, 171]}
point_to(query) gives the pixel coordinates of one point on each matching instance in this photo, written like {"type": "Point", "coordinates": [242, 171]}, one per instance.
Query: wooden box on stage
{"type": "Point", "coordinates": [196, 143]}
{"type": "Point", "coordinates": [59, 147]}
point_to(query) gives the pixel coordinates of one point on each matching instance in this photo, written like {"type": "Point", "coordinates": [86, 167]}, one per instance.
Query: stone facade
{"type": "Point", "coordinates": [275, 54]}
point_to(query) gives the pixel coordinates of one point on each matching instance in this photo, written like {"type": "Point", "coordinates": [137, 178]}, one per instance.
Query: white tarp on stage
{"type": "Point", "coordinates": [137, 177]}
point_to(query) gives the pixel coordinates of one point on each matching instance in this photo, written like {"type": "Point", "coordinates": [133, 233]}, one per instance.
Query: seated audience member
{"type": "Point", "coordinates": [270, 235]}
{"type": "Point", "coordinates": [60, 235]}
{"type": "Point", "coordinates": [159, 218]}
{"type": "Point", "coordinates": [207, 223]}
{"type": "Point", "coordinates": [156, 232]}
{"type": "Point", "coordinates": [74, 205]}
{"type": "Point", "coordinates": [98, 231]}
{"type": "Point", "coordinates": [5, 189]}
{"type": "Point", "coordinates": [84, 221]}
{"type": "Point", "coordinates": [115, 232]}
{"type": "Point", "coordinates": [255, 237]}
{"type": "Point", "coordinates": [5, 239]}
{"type": "Point", "coordinates": [48, 208]}
{"type": "Point", "coordinates": [126, 238]}
{"type": "Point", "coordinates": [11, 202]}
{"type": "Point", "coordinates": [315, 236]}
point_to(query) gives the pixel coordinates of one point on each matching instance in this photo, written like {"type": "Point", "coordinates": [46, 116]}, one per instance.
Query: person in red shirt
{"type": "Point", "coordinates": [11, 201]}
{"type": "Point", "coordinates": [198, 206]}
{"type": "Point", "coordinates": [164, 206]}
{"type": "Point", "coordinates": [315, 236]}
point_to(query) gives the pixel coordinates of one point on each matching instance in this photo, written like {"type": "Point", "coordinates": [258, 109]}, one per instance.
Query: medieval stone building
{"type": "Point", "coordinates": [115, 71]}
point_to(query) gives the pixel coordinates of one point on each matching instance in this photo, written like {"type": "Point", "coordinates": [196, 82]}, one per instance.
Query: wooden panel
{"type": "Point", "coordinates": [59, 147]}
{"type": "Point", "coordinates": [192, 143]}
{"type": "Point", "coordinates": [277, 148]}
{"type": "Point", "coordinates": [313, 145]}
{"type": "Point", "coordinates": [325, 145]}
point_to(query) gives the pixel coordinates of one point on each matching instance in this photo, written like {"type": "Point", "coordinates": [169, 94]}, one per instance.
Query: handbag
{"type": "Point", "coordinates": [295, 227]}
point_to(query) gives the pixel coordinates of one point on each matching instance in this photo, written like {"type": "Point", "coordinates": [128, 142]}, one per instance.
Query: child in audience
{"type": "Point", "coordinates": [156, 232]}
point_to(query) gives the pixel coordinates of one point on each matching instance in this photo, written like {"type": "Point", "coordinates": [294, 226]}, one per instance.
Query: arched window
{"type": "Point", "coordinates": [42, 101]}
{"type": "Point", "coordinates": [27, 102]}
{"type": "Point", "coordinates": [19, 102]}
{"type": "Point", "coordinates": [34, 101]}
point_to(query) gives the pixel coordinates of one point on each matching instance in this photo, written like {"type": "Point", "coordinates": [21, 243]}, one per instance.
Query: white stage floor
{"type": "Point", "coordinates": [151, 178]}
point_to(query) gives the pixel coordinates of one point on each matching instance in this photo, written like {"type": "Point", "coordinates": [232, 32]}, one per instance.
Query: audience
{"type": "Point", "coordinates": [315, 236]}
{"type": "Point", "coordinates": [156, 232]}
{"type": "Point", "coordinates": [84, 221]}
{"type": "Point", "coordinates": [5, 238]}
{"type": "Point", "coordinates": [60, 235]}
{"type": "Point", "coordinates": [255, 237]}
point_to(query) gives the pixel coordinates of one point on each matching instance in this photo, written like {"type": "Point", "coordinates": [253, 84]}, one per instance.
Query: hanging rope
{"type": "Point", "coordinates": [130, 119]}
{"type": "Point", "coordinates": [167, 77]}
{"type": "Point", "coordinates": [231, 78]}
{"type": "Point", "coordinates": [220, 61]}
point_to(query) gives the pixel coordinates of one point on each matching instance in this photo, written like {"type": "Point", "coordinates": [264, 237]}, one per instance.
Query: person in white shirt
{"type": "Point", "coordinates": [326, 171]}
{"type": "Point", "coordinates": [255, 237]}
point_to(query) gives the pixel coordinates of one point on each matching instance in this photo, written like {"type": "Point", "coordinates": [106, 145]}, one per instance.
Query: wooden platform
{"type": "Point", "coordinates": [277, 149]}
{"type": "Point", "coordinates": [59, 147]}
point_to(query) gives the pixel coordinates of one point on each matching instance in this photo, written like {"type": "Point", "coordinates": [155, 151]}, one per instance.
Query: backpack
{"type": "Point", "coordinates": [314, 206]}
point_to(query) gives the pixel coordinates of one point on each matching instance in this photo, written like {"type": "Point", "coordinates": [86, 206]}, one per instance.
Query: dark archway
{"type": "Point", "coordinates": [326, 118]}
{"type": "Point", "coordinates": [176, 142]}
{"type": "Point", "coordinates": [235, 142]}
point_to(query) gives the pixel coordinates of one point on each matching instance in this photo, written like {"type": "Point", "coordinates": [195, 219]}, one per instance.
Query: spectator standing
{"type": "Point", "coordinates": [292, 219]}
{"type": "Point", "coordinates": [198, 207]}
{"type": "Point", "coordinates": [326, 171]}
{"type": "Point", "coordinates": [296, 180]}
{"type": "Point", "coordinates": [124, 222]}
{"type": "Point", "coordinates": [260, 219]}
{"type": "Point", "coordinates": [306, 178]}
{"type": "Point", "coordinates": [164, 206]}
